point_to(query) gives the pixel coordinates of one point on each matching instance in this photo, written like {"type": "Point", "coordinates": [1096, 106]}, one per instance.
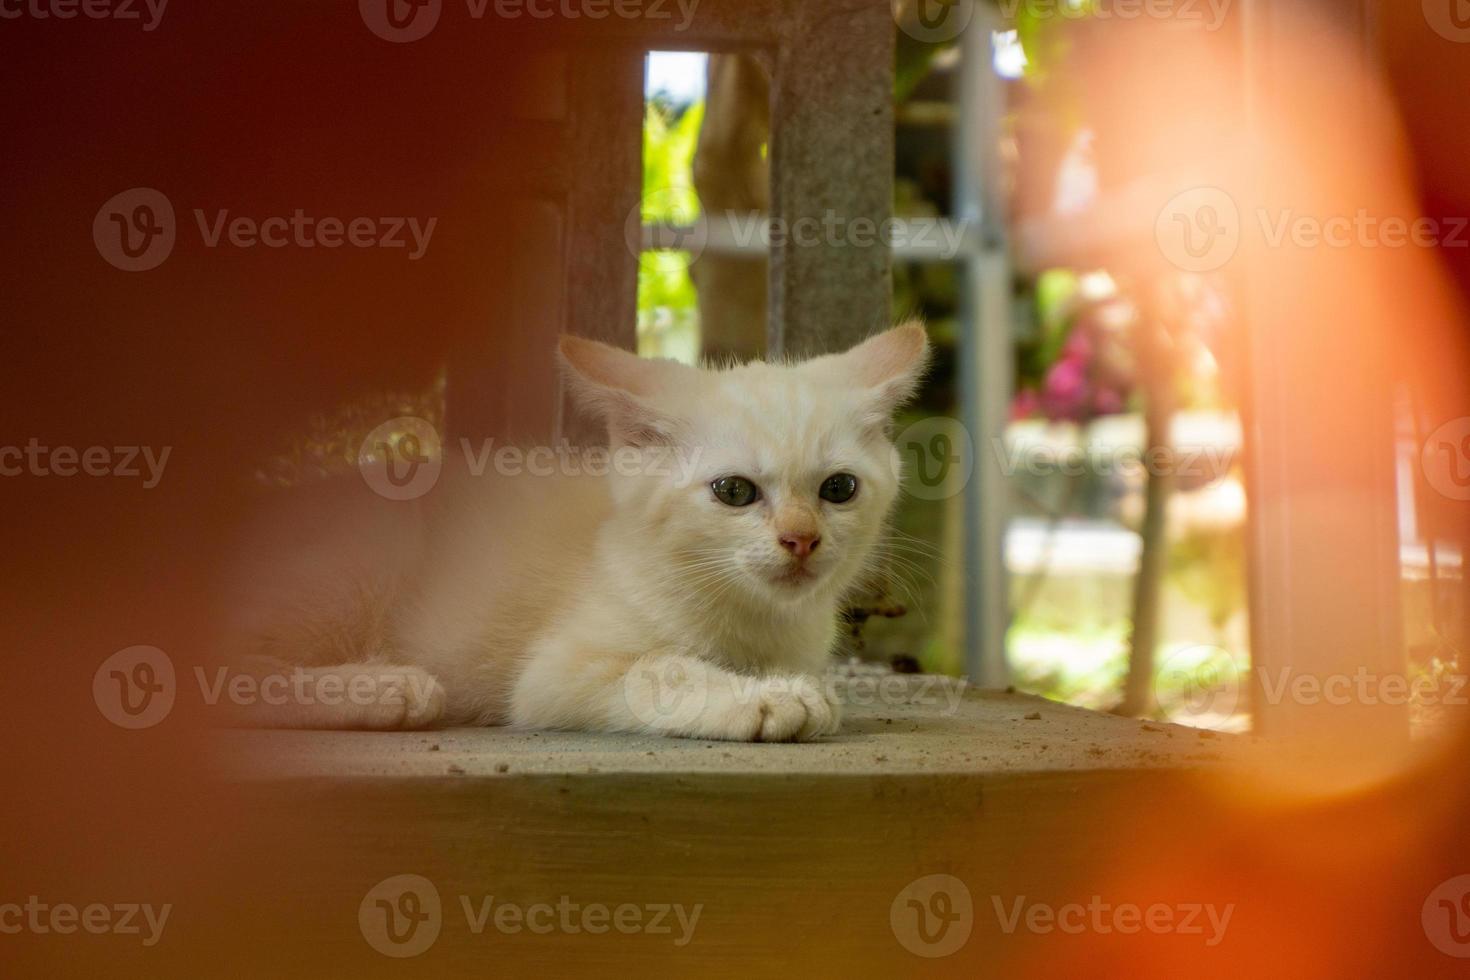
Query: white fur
{"type": "Point", "coordinates": [625, 602]}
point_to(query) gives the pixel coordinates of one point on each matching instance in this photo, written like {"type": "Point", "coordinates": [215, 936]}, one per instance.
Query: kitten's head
{"type": "Point", "coordinates": [766, 482]}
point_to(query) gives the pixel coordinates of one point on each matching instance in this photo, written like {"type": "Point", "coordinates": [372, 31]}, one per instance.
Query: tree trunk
{"type": "Point", "coordinates": [732, 177]}
{"type": "Point", "coordinates": [1148, 585]}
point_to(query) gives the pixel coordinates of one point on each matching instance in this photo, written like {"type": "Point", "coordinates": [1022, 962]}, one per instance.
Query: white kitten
{"type": "Point", "coordinates": [693, 590]}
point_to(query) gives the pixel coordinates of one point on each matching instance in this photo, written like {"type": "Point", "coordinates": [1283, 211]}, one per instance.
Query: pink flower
{"type": "Point", "coordinates": [1026, 404]}
{"type": "Point", "coordinates": [1065, 393]}
{"type": "Point", "coordinates": [1107, 401]}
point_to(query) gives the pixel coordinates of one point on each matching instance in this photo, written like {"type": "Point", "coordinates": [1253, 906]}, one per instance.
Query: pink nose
{"type": "Point", "coordinates": [800, 545]}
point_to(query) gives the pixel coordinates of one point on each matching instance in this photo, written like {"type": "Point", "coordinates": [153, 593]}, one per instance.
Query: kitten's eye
{"type": "Point", "coordinates": [736, 491]}
{"type": "Point", "coordinates": [839, 488]}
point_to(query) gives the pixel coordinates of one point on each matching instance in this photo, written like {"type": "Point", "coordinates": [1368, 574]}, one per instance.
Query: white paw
{"type": "Point", "coordinates": [788, 708]}
{"type": "Point", "coordinates": [686, 697]}
{"type": "Point", "coordinates": [405, 698]}
{"type": "Point", "coordinates": [795, 708]}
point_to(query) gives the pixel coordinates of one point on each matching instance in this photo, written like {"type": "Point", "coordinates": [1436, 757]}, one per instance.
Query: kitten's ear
{"type": "Point", "coordinates": [616, 385]}
{"type": "Point", "coordinates": [887, 366]}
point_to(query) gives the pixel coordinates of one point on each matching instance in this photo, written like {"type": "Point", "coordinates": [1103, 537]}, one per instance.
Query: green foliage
{"type": "Point", "coordinates": [1042, 31]}
{"type": "Point", "coordinates": [669, 138]}
{"type": "Point", "coordinates": [667, 303]}
{"type": "Point", "coordinates": [1081, 665]}
{"type": "Point", "coordinates": [1054, 309]}
{"type": "Point", "coordinates": [1208, 568]}
{"type": "Point", "coordinates": [663, 283]}
{"type": "Point", "coordinates": [912, 61]}
{"type": "Point", "coordinates": [1045, 34]}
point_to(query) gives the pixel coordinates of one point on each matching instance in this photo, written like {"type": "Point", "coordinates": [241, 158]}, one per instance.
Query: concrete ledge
{"type": "Point", "coordinates": [894, 725]}
{"type": "Point", "coordinates": [797, 855]}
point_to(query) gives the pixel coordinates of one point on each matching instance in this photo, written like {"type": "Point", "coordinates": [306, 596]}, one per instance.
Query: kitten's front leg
{"type": "Point", "coordinates": [686, 696]}
{"type": "Point", "coordinates": [575, 686]}
{"type": "Point", "coordinates": [360, 696]}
